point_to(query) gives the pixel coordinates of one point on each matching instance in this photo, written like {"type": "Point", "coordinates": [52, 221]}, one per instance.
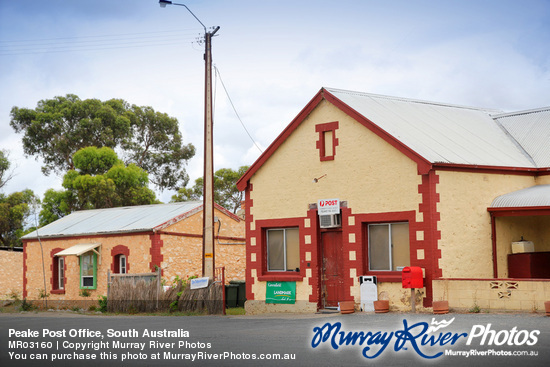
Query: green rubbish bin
{"type": "Point", "coordinates": [241, 296]}
{"type": "Point", "coordinates": [231, 294]}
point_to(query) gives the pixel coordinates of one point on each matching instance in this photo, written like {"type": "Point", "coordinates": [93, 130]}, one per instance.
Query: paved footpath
{"type": "Point", "coordinates": [359, 339]}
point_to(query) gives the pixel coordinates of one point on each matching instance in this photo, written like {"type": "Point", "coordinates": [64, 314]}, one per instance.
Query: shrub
{"type": "Point", "coordinates": [102, 304]}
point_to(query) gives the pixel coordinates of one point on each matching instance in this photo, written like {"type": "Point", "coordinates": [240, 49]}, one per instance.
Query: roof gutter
{"type": "Point", "coordinates": [527, 171]}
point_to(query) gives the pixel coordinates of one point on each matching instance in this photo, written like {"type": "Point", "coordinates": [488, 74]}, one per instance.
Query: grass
{"type": "Point", "coordinates": [235, 311]}
{"type": "Point", "coordinates": [475, 309]}
{"type": "Point", "coordinates": [230, 311]}
{"type": "Point", "coordinates": [19, 306]}
{"type": "Point", "coordinates": [15, 307]}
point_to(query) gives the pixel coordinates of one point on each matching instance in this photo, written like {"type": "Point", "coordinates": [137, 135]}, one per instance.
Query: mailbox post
{"type": "Point", "coordinates": [412, 278]}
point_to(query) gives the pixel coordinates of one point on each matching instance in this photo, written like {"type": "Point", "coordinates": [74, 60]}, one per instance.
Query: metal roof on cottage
{"type": "Point", "coordinates": [118, 220]}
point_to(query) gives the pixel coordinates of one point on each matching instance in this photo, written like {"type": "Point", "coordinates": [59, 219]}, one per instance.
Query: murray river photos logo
{"type": "Point", "coordinates": [427, 340]}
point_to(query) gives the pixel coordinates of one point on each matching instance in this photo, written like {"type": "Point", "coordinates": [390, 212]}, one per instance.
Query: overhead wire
{"type": "Point", "coordinates": [106, 42]}
{"type": "Point", "coordinates": [94, 43]}
{"type": "Point", "coordinates": [234, 109]}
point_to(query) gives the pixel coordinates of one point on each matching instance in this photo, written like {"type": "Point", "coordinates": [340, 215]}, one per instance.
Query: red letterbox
{"type": "Point", "coordinates": [412, 277]}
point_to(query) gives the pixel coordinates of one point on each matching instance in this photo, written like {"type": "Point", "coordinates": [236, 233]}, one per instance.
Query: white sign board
{"type": "Point", "coordinates": [199, 283]}
{"type": "Point", "coordinates": [328, 206]}
{"type": "Point", "coordinates": [369, 292]}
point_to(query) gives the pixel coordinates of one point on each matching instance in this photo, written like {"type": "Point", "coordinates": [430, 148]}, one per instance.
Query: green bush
{"type": "Point", "coordinates": [102, 303]}
{"type": "Point", "coordinates": [27, 306]}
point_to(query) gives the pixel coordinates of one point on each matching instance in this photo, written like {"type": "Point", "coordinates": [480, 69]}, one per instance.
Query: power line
{"type": "Point", "coordinates": [85, 48]}
{"type": "Point", "coordinates": [235, 110]}
{"type": "Point", "coordinates": [96, 36]}
{"type": "Point", "coordinates": [89, 42]}
{"type": "Point", "coordinates": [93, 43]}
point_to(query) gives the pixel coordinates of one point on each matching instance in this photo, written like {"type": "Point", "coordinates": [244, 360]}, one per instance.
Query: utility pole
{"type": "Point", "coordinates": [208, 258]}
{"type": "Point", "coordinates": [208, 251]}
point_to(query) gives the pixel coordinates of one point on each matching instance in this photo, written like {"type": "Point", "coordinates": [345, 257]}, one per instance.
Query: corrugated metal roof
{"type": "Point", "coordinates": [117, 220]}
{"type": "Point", "coordinates": [441, 133]}
{"type": "Point", "coordinates": [531, 129]}
{"type": "Point", "coordinates": [532, 196]}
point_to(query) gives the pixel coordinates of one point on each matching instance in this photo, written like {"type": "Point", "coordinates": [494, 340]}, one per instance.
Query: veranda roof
{"type": "Point", "coordinates": [535, 196]}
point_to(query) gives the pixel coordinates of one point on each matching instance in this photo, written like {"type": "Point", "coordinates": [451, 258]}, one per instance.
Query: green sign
{"type": "Point", "coordinates": [280, 292]}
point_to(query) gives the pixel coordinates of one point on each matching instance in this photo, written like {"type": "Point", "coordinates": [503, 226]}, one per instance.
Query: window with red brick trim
{"type": "Point", "coordinates": [283, 249]}
{"type": "Point", "coordinates": [388, 246]}
{"type": "Point", "coordinates": [120, 264]}
{"type": "Point", "coordinates": [327, 142]}
{"type": "Point", "coordinates": [58, 268]}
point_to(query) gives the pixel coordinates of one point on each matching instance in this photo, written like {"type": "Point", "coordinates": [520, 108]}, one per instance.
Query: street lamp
{"type": "Point", "coordinates": [163, 4]}
{"type": "Point", "coordinates": [208, 253]}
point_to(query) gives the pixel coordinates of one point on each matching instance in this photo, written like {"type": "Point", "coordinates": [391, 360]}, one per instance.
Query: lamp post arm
{"type": "Point", "coordinates": [163, 3]}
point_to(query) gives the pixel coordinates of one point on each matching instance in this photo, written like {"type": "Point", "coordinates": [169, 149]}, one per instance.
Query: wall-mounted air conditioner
{"type": "Point", "coordinates": [330, 221]}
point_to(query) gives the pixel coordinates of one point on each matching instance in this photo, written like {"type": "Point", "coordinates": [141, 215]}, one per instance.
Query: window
{"type": "Point", "coordinates": [283, 249]}
{"type": "Point", "coordinates": [389, 246]}
{"type": "Point", "coordinates": [329, 147]}
{"type": "Point", "coordinates": [327, 142]}
{"type": "Point", "coordinates": [122, 264]}
{"type": "Point", "coordinates": [88, 270]}
{"type": "Point", "coordinates": [60, 272]}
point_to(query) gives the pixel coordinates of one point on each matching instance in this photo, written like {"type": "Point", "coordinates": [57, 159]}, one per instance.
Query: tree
{"type": "Point", "coordinates": [15, 209]}
{"type": "Point", "coordinates": [57, 128]}
{"type": "Point", "coordinates": [55, 205]}
{"type": "Point", "coordinates": [226, 193]}
{"type": "Point", "coordinates": [5, 173]}
{"type": "Point", "coordinates": [156, 146]}
{"type": "Point", "coordinates": [99, 180]}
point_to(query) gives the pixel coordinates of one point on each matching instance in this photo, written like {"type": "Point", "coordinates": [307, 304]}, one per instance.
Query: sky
{"type": "Point", "coordinates": [272, 57]}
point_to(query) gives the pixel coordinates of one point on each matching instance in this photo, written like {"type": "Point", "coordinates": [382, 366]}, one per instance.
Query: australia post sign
{"type": "Point", "coordinates": [328, 206]}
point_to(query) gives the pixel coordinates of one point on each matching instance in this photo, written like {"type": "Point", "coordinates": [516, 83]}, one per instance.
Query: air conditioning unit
{"type": "Point", "coordinates": [330, 221]}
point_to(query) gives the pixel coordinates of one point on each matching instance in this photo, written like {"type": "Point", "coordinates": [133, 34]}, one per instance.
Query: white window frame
{"type": "Point", "coordinates": [60, 272]}
{"type": "Point", "coordinates": [122, 268]}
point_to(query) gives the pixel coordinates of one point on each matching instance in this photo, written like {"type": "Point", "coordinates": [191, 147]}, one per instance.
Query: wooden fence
{"type": "Point", "coordinates": [143, 292]}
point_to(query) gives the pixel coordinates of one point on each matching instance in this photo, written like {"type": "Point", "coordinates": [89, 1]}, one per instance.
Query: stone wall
{"type": "Point", "coordinates": [138, 260]}
{"type": "Point", "coordinates": [182, 251]}
{"type": "Point", "coordinates": [177, 250]}
{"type": "Point", "coordinates": [11, 274]}
{"type": "Point", "coordinates": [493, 294]}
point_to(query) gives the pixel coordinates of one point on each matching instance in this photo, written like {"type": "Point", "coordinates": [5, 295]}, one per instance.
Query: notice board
{"type": "Point", "coordinates": [280, 292]}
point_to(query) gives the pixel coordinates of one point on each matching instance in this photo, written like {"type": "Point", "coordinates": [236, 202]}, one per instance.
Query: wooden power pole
{"type": "Point", "coordinates": [208, 250]}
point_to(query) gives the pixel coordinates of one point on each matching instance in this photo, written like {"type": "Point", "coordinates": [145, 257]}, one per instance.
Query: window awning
{"type": "Point", "coordinates": [79, 249]}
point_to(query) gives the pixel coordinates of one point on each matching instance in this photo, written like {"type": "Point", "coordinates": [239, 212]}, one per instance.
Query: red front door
{"type": "Point", "coordinates": [332, 279]}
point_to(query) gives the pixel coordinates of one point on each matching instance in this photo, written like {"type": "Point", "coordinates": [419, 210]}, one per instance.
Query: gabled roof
{"type": "Point", "coordinates": [130, 219]}
{"type": "Point", "coordinates": [432, 133]}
